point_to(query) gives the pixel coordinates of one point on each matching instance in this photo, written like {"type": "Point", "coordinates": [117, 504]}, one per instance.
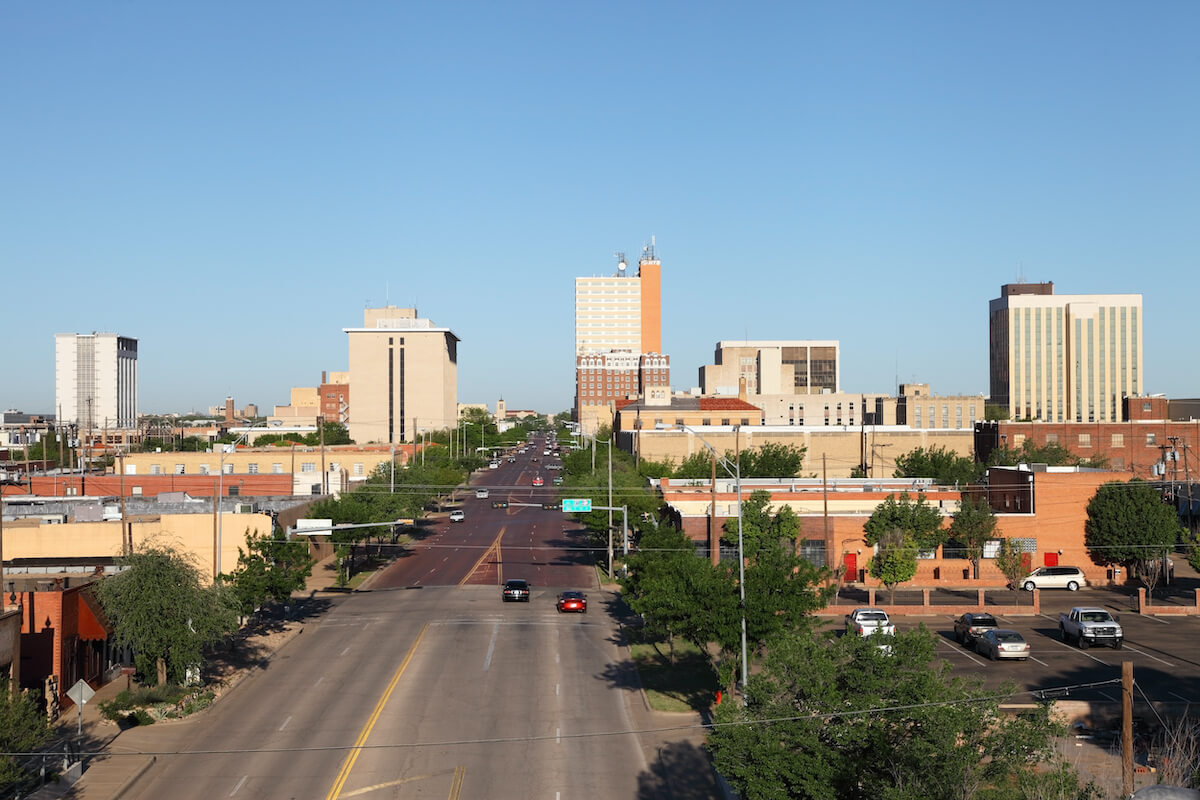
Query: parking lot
{"type": "Point", "coordinates": [1166, 661]}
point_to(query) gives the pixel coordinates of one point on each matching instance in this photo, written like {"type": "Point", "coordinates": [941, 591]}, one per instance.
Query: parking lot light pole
{"type": "Point", "coordinates": [734, 470]}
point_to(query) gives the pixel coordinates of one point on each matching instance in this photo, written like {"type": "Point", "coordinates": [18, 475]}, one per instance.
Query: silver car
{"type": "Point", "coordinates": [1000, 643]}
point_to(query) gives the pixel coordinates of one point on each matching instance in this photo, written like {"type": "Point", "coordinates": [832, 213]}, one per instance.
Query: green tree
{"type": "Point", "coordinates": [269, 569]}
{"type": "Point", "coordinates": [1131, 525]}
{"type": "Point", "coordinates": [895, 562]}
{"type": "Point", "coordinates": [697, 465]}
{"type": "Point", "coordinates": [23, 729]}
{"type": "Point", "coordinates": [994, 413]}
{"type": "Point", "coordinates": [837, 718]}
{"type": "Point", "coordinates": [162, 608]}
{"type": "Point", "coordinates": [945, 466]}
{"type": "Point", "coordinates": [772, 460]}
{"type": "Point", "coordinates": [918, 520]}
{"type": "Point", "coordinates": [974, 524]}
{"type": "Point", "coordinates": [1010, 560]}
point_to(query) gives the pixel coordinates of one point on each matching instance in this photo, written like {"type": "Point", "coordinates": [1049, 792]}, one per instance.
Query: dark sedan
{"type": "Point", "coordinates": [970, 627]}
{"type": "Point", "coordinates": [517, 590]}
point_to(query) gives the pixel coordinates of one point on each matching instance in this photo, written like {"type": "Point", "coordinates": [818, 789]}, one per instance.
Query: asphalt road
{"type": "Point", "coordinates": [430, 686]}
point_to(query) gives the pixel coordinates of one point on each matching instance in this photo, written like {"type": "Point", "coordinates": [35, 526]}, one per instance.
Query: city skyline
{"type": "Point", "coordinates": [234, 195]}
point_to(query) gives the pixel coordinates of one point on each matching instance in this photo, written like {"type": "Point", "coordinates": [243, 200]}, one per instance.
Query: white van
{"type": "Point", "coordinates": [1070, 578]}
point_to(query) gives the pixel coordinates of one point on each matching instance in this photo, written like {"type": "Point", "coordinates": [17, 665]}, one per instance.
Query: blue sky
{"type": "Point", "coordinates": [232, 183]}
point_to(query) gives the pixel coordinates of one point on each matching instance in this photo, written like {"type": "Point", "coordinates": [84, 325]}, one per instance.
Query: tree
{"type": "Point", "coordinates": [917, 519]}
{"type": "Point", "coordinates": [1010, 560]}
{"type": "Point", "coordinates": [771, 460]}
{"type": "Point", "coordinates": [944, 466]}
{"type": "Point", "coordinates": [162, 609]}
{"type": "Point", "coordinates": [268, 570]}
{"type": "Point", "coordinates": [837, 718]}
{"type": "Point", "coordinates": [1130, 524]}
{"type": "Point", "coordinates": [974, 524]}
{"type": "Point", "coordinates": [697, 465]}
{"type": "Point", "coordinates": [896, 561]}
{"type": "Point", "coordinates": [23, 729]}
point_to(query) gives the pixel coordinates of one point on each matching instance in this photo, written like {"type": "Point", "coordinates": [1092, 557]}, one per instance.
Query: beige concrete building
{"type": "Point", "coordinates": [916, 407]}
{"type": "Point", "coordinates": [1064, 358]}
{"type": "Point", "coordinates": [403, 375]}
{"type": "Point", "coordinates": [96, 380]}
{"type": "Point", "coordinates": [775, 367]}
{"type": "Point", "coordinates": [838, 450]}
{"type": "Point", "coordinates": [621, 311]}
{"type": "Point", "coordinates": [826, 409]}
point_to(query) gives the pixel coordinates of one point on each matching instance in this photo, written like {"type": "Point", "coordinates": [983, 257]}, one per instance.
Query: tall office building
{"type": "Point", "coordinates": [618, 328]}
{"type": "Point", "coordinates": [799, 366]}
{"type": "Point", "coordinates": [1064, 358]}
{"type": "Point", "coordinates": [95, 380]}
{"type": "Point", "coordinates": [403, 375]}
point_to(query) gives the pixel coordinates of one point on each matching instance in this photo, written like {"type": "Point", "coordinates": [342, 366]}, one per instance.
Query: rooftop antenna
{"type": "Point", "coordinates": [622, 264]}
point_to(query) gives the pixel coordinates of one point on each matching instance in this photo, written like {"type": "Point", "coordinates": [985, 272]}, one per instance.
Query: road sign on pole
{"type": "Point", "coordinates": [577, 506]}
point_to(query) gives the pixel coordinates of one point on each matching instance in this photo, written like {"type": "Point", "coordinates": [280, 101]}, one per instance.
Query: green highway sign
{"type": "Point", "coordinates": [577, 506]}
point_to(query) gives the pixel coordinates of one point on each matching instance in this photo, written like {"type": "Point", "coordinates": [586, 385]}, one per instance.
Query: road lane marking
{"type": "Point", "coordinates": [318, 681]}
{"type": "Point", "coordinates": [558, 735]}
{"type": "Point", "coordinates": [344, 773]}
{"type": "Point", "coordinates": [1083, 653]}
{"type": "Point", "coordinates": [347, 650]}
{"type": "Point", "coordinates": [285, 722]}
{"type": "Point", "coordinates": [1038, 660]}
{"type": "Point", "coordinates": [456, 784]}
{"type": "Point", "coordinates": [1107, 696]}
{"type": "Point", "coordinates": [410, 779]}
{"type": "Point", "coordinates": [487, 662]}
{"type": "Point", "coordinates": [1147, 655]}
{"type": "Point", "coordinates": [495, 546]}
{"type": "Point", "coordinates": [556, 690]}
{"type": "Point", "coordinates": [1181, 697]}
{"type": "Point", "coordinates": [239, 785]}
{"type": "Point", "coordinates": [1156, 619]}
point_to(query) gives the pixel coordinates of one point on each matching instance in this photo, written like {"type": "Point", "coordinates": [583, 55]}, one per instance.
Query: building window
{"type": "Point", "coordinates": [1151, 440]}
{"type": "Point", "coordinates": [706, 421]}
{"type": "Point", "coordinates": [725, 421]}
{"type": "Point", "coordinates": [204, 469]}
{"type": "Point", "coordinates": [228, 469]}
{"type": "Point", "coordinates": [252, 469]}
{"type": "Point", "coordinates": [1118, 440]}
{"type": "Point", "coordinates": [1051, 438]}
{"type": "Point", "coordinates": [1118, 463]}
{"type": "Point", "coordinates": [1146, 406]}
{"type": "Point", "coordinates": [180, 469]}
{"type": "Point", "coordinates": [1085, 440]}
{"type": "Point", "coordinates": [156, 469]}
{"type": "Point", "coordinates": [358, 468]}
{"type": "Point", "coordinates": [308, 466]}
{"type": "Point", "coordinates": [1018, 439]}
{"type": "Point", "coordinates": [334, 466]}
{"type": "Point", "coordinates": [136, 491]}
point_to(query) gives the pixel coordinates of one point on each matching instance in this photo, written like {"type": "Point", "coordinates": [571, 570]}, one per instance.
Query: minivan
{"type": "Point", "coordinates": [1070, 578]}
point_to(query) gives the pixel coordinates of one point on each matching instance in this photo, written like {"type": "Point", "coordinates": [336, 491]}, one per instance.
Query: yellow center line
{"type": "Point", "coordinates": [456, 784]}
{"type": "Point", "coordinates": [336, 790]}
{"type": "Point", "coordinates": [495, 546]}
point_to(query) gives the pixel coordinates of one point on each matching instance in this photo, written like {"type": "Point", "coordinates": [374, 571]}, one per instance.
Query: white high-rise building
{"type": "Point", "coordinates": [95, 380]}
{"type": "Point", "coordinates": [1064, 358]}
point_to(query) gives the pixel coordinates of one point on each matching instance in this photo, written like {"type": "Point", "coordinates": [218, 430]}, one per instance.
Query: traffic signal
{"type": "Point", "coordinates": [499, 504]}
{"type": "Point", "coordinates": [550, 506]}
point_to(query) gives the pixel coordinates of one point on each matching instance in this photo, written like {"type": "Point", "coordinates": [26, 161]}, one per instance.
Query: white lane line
{"type": "Point", "coordinates": [1156, 619]}
{"type": "Point", "coordinates": [1147, 655]}
{"type": "Point", "coordinates": [965, 654]}
{"type": "Point", "coordinates": [556, 690]}
{"type": "Point", "coordinates": [1083, 653]}
{"type": "Point", "coordinates": [1181, 697]}
{"type": "Point", "coordinates": [558, 735]}
{"type": "Point", "coordinates": [1038, 660]}
{"type": "Point", "coordinates": [285, 723]}
{"type": "Point", "coordinates": [1107, 697]}
{"type": "Point", "coordinates": [239, 785]}
{"type": "Point", "coordinates": [347, 650]}
{"type": "Point", "coordinates": [318, 681]}
{"type": "Point", "coordinates": [487, 662]}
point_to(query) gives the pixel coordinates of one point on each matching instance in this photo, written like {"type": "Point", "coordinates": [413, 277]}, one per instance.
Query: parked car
{"type": "Point", "coordinates": [1089, 626]}
{"type": "Point", "coordinates": [572, 601]}
{"type": "Point", "coordinates": [869, 621]}
{"type": "Point", "coordinates": [971, 626]}
{"type": "Point", "coordinates": [1070, 578]}
{"type": "Point", "coordinates": [457, 515]}
{"type": "Point", "coordinates": [1000, 643]}
{"type": "Point", "coordinates": [515, 590]}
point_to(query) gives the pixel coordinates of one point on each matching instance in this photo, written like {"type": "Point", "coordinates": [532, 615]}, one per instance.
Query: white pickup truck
{"type": "Point", "coordinates": [869, 621]}
{"type": "Point", "coordinates": [1089, 626]}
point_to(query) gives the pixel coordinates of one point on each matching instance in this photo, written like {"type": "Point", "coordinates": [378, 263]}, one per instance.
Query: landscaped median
{"type": "Point", "coordinates": [678, 680]}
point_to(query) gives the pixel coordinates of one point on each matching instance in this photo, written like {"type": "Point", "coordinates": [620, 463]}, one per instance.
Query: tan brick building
{"type": "Point", "coordinates": [404, 374]}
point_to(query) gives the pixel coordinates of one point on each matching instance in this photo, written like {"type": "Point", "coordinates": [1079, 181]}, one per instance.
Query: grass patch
{"type": "Point", "coordinates": [688, 684]}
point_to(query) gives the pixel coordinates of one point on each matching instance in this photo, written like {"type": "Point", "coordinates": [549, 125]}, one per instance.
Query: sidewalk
{"type": "Point", "coordinates": [116, 764]}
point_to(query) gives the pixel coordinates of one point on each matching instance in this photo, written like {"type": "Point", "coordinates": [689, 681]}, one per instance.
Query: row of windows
{"type": "Point", "coordinates": [1085, 439]}
{"type": "Point", "coordinates": [252, 468]}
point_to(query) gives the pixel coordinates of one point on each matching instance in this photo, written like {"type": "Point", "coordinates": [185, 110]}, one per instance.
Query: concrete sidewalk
{"type": "Point", "coordinates": [113, 757]}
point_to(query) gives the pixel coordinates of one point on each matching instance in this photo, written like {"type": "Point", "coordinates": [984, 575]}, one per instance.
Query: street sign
{"type": "Point", "coordinates": [577, 506]}
{"type": "Point", "coordinates": [81, 692]}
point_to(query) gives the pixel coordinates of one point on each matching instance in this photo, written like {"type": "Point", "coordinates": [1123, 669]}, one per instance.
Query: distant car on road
{"type": "Point", "coordinates": [481, 494]}
{"type": "Point", "coordinates": [538, 481]}
{"type": "Point", "coordinates": [494, 465]}
{"type": "Point", "coordinates": [970, 627]}
{"type": "Point", "coordinates": [515, 590]}
{"type": "Point", "coordinates": [572, 601]}
{"type": "Point", "coordinates": [557, 480]}
{"type": "Point", "coordinates": [457, 515]}
{"type": "Point", "coordinates": [999, 643]}
{"type": "Point", "coordinates": [1069, 578]}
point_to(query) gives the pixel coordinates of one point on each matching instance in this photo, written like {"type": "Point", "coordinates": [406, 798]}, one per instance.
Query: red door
{"type": "Point", "coordinates": [851, 562]}
{"type": "Point", "coordinates": [1051, 560]}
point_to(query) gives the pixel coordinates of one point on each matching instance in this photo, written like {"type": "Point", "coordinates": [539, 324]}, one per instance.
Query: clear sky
{"type": "Point", "coordinates": [232, 183]}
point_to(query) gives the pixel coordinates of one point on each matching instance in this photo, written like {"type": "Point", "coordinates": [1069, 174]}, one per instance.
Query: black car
{"type": "Point", "coordinates": [517, 590]}
{"type": "Point", "coordinates": [970, 627]}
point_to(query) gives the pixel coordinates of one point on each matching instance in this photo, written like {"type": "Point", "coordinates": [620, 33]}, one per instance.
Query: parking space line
{"type": "Point", "coordinates": [1155, 619]}
{"type": "Point", "coordinates": [1107, 696]}
{"type": "Point", "coordinates": [1147, 655]}
{"type": "Point", "coordinates": [1083, 653]}
{"type": "Point", "coordinates": [1038, 660]}
{"type": "Point", "coordinates": [964, 653]}
{"type": "Point", "coordinates": [1181, 697]}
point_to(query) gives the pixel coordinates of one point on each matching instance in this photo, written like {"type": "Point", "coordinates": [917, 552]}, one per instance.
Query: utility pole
{"type": "Point", "coordinates": [324, 477]}
{"type": "Point", "coordinates": [1126, 728]}
{"type": "Point", "coordinates": [714, 539]}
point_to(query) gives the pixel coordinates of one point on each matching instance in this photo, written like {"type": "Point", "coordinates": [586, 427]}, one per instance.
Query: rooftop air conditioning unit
{"type": "Point", "coordinates": [245, 508]}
